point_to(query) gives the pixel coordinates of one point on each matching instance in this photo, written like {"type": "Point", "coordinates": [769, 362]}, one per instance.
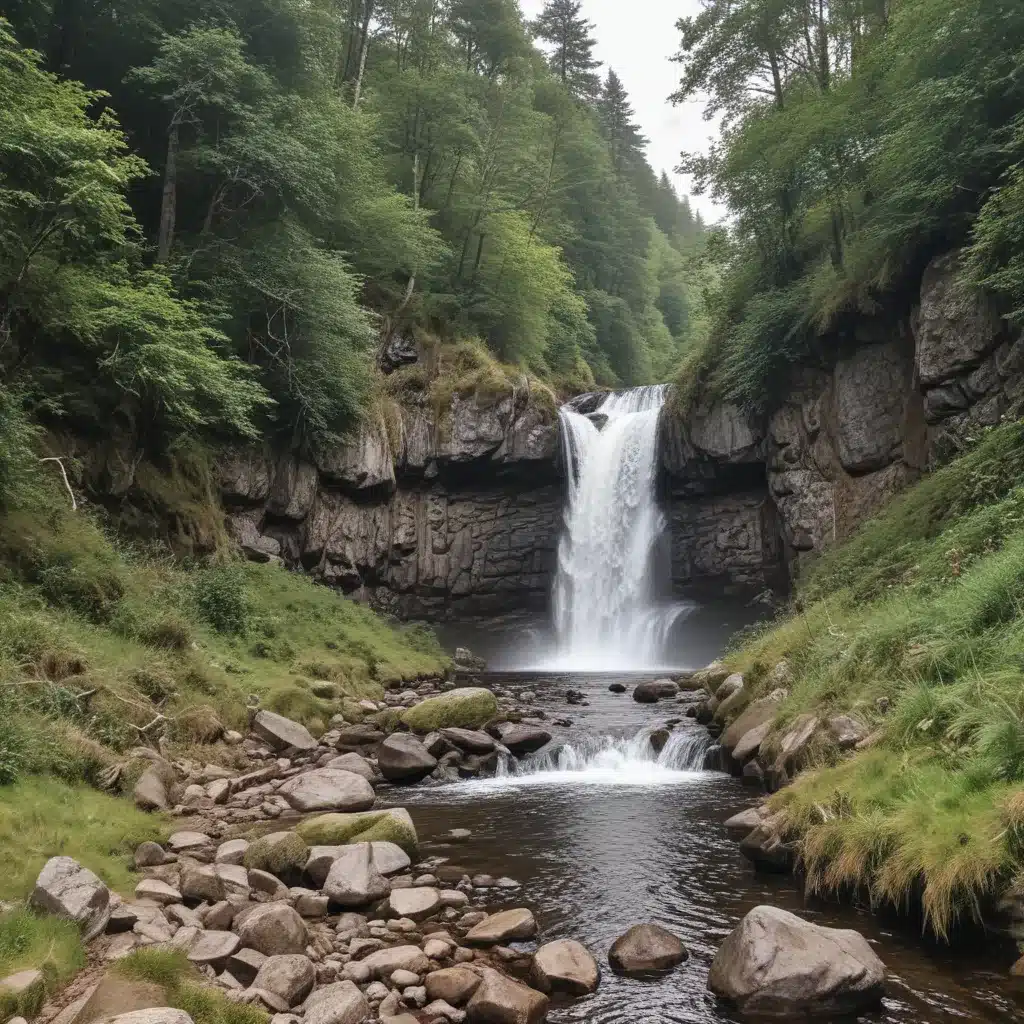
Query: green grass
{"type": "Point", "coordinates": [46, 943]}
{"type": "Point", "coordinates": [924, 607]}
{"type": "Point", "coordinates": [43, 817]}
{"type": "Point", "coordinates": [184, 989]}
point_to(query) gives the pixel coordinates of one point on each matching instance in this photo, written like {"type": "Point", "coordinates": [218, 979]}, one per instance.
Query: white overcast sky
{"type": "Point", "coordinates": [636, 38]}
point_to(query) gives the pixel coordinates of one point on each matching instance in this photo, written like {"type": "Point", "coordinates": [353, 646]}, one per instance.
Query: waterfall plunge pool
{"type": "Point", "coordinates": [606, 834]}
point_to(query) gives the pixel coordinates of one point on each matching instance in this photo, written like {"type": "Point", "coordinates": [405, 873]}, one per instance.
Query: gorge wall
{"type": "Point", "coordinates": [437, 512]}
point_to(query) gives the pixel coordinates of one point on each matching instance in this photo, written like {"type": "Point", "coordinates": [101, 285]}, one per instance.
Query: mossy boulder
{"type": "Point", "coordinates": [393, 825]}
{"type": "Point", "coordinates": [278, 853]}
{"type": "Point", "coordinates": [470, 707]}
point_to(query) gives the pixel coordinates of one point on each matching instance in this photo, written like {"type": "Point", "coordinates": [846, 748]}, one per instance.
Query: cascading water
{"type": "Point", "coordinates": [611, 760]}
{"type": "Point", "coordinates": [606, 617]}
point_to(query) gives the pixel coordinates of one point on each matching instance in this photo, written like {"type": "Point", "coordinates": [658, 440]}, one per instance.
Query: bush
{"type": "Point", "coordinates": [222, 600]}
{"type": "Point", "coordinates": [170, 631]}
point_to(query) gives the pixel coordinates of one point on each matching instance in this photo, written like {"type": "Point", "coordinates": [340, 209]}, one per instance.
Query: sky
{"type": "Point", "coordinates": [636, 38]}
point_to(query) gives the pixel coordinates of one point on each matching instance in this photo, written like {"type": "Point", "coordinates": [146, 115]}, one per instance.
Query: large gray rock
{"type": "Point", "coordinates": [472, 741]}
{"type": "Point", "coordinates": [272, 929]}
{"type": "Point", "coordinates": [339, 1003]}
{"type": "Point", "coordinates": [955, 326]}
{"type": "Point", "coordinates": [291, 977]}
{"type": "Point", "coordinates": [505, 926]}
{"type": "Point", "coordinates": [280, 732]}
{"type": "Point", "coordinates": [417, 903]}
{"type": "Point", "coordinates": [402, 758]}
{"type": "Point", "coordinates": [500, 1000]}
{"type": "Point", "coordinates": [452, 984]}
{"type": "Point", "coordinates": [651, 691]}
{"type": "Point", "coordinates": [384, 962]}
{"type": "Point", "coordinates": [328, 789]}
{"type": "Point", "coordinates": [723, 432]}
{"type": "Point", "coordinates": [353, 762]}
{"type": "Point", "coordinates": [73, 892]}
{"type": "Point", "coordinates": [390, 858]}
{"type": "Point", "coordinates": [646, 948]}
{"type": "Point", "coordinates": [293, 490]}
{"type": "Point", "coordinates": [151, 791]}
{"type": "Point", "coordinates": [776, 964]}
{"type": "Point", "coordinates": [565, 965]}
{"type": "Point", "coordinates": [362, 461]}
{"type": "Point", "coordinates": [353, 879]}
{"type": "Point", "coordinates": [522, 739]}
{"type": "Point", "coordinates": [213, 947]}
{"type": "Point", "coordinates": [154, 1015]}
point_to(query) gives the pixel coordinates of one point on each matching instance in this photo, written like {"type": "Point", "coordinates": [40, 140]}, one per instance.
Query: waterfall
{"type": "Point", "coordinates": [605, 613]}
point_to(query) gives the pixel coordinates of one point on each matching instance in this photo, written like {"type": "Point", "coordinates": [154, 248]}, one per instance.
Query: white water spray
{"type": "Point", "coordinates": [605, 614]}
{"type": "Point", "coordinates": [611, 761]}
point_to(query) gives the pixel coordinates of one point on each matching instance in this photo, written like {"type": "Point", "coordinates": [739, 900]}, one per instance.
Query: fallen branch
{"type": "Point", "coordinates": [64, 474]}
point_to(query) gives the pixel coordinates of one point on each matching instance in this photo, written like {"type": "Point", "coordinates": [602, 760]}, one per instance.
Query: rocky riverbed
{"type": "Point", "coordinates": [397, 870]}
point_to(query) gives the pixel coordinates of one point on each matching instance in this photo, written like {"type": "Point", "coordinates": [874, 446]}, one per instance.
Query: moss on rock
{"type": "Point", "coordinates": [277, 853]}
{"type": "Point", "coordinates": [471, 707]}
{"type": "Point", "coordinates": [393, 825]}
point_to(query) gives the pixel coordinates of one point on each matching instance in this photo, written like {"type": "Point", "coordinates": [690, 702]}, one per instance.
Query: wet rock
{"type": "Point", "coordinates": [472, 741]}
{"type": "Point", "coordinates": [714, 759]}
{"type": "Point", "coordinates": [70, 891]}
{"type": "Point", "coordinates": [522, 739]}
{"type": "Point", "coordinates": [339, 1003]}
{"type": "Point", "coordinates": [403, 758]}
{"type": "Point", "coordinates": [328, 789]}
{"type": "Point", "coordinates": [353, 879]}
{"type": "Point", "coordinates": [617, 688]}
{"type": "Point", "coordinates": [565, 966]}
{"type": "Point", "coordinates": [281, 733]}
{"type": "Point", "coordinates": [775, 963]}
{"type": "Point", "coordinates": [743, 823]}
{"type": "Point", "coordinates": [646, 948]}
{"type": "Point", "coordinates": [273, 929]}
{"type": "Point", "coordinates": [455, 985]}
{"type": "Point", "coordinates": [652, 691]}
{"type": "Point", "coordinates": [505, 926]}
{"type": "Point", "coordinates": [658, 739]}
{"type": "Point", "coordinates": [766, 849]}
{"type": "Point", "coordinates": [290, 977]}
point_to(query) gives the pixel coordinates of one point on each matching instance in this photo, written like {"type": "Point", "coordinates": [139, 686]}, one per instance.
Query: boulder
{"type": "Point", "coordinates": [646, 948]}
{"type": "Point", "coordinates": [454, 985]}
{"type": "Point", "coordinates": [752, 716]}
{"type": "Point", "coordinates": [353, 879]}
{"type": "Point", "coordinates": [212, 947]}
{"type": "Point", "coordinates": [565, 966]}
{"type": "Point", "coordinates": [777, 964]}
{"type": "Point", "coordinates": [393, 825]}
{"type": "Point", "coordinates": [731, 704]}
{"type": "Point", "coordinates": [231, 852]}
{"type": "Point", "coordinates": [500, 1000]}
{"type": "Point", "coordinates": [155, 1015]}
{"type": "Point", "coordinates": [390, 858]}
{"type": "Point", "coordinates": [751, 742]}
{"type": "Point", "coordinates": [245, 964]}
{"type": "Point", "coordinates": [193, 844]}
{"type": "Point", "coordinates": [472, 741]}
{"type": "Point", "coordinates": [384, 962]}
{"type": "Point", "coordinates": [795, 743]}
{"type": "Point", "coordinates": [728, 686]}
{"type": "Point", "coordinates": [22, 992]}
{"type": "Point", "coordinates": [273, 929]}
{"type": "Point", "coordinates": [281, 733]}
{"type": "Point", "coordinates": [847, 731]}
{"type": "Point", "coordinates": [149, 855]}
{"type": "Point", "coordinates": [415, 904]}
{"type": "Point", "coordinates": [150, 793]}
{"type": "Point", "coordinates": [201, 882]}
{"type": "Point", "coordinates": [522, 739]}
{"type": "Point", "coordinates": [766, 849]}
{"type": "Point", "coordinates": [651, 691]}
{"type": "Point", "coordinates": [291, 977]}
{"type": "Point", "coordinates": [470, 707]}
{"type": "Point", "coordinates": [68, 890]}
{"type": "Point", "coordinates": [402, 758]}
{"type": "Point", "coordinates": [505, 926]}
{"type": "Point", "coordinates": [338, 1003]}
{"type": "Point", "coordinates": [354, 738]}
{"type": "Point", "coordinates": [328, 789]}
{"type": "Point", "coordinates": [352, 762]}
{"type": "Point", "coordinates": [157, 891]}
{"type": "Point", "coordinates": [743, 823]}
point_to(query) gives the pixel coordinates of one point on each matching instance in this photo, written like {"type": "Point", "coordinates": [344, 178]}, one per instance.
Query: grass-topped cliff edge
{"type": "Point", "coordinates": [915, 626]}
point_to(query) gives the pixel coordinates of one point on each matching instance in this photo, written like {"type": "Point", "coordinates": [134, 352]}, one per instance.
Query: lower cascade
{"type": "Point", "coordinates": [606, 615]}
{"type": "Point", "coordinates": [617, 760]}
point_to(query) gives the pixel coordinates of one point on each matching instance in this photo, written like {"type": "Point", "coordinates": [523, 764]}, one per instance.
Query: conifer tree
{"type": "Point", "coordinates": [625, 143]}
{"type": "Point", "coordinates": [572, 58]}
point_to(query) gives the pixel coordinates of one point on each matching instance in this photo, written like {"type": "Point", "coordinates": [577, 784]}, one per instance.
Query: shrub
{"type": "Point", "coordinates": [221, 598]}
{"type": "Point", "coordinates": [170, 631]}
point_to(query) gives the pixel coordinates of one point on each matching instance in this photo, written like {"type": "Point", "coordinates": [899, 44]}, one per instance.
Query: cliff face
{"type": "Point", "coordinates": [748, 499]}
{"type": "Point", "coordinates": [457, 511]}
{"type": "Point", "coordinates": [432, 514]}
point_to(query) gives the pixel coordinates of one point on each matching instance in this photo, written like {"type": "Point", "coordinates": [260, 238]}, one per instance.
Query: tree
{"type": "Point", "coordinates": [572, 56]}
{"type": "Point", "coordinates": [625, 143]}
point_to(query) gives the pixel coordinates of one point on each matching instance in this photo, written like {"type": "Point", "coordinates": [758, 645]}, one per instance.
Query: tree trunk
{"type": "Point", "coordinates": [169, 200]}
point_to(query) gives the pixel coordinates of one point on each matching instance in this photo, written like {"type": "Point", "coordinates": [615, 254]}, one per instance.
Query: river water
{"type": "Point", "coordinates": [619, 836]}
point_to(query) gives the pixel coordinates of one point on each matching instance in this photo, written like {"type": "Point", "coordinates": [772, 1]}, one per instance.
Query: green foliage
{"type": "Point", "coordinates": [43, 942]}
{"type": "Point", "coordinates": [856, 144]}
{"type": "Point", "coordinates": [220, 595]}
{"type": "Point", "coordinates": [278, 854]}
{"type": "Point", "coordinates": [921, 608]}
{"type": "Point", "coordinates": [466, 708]}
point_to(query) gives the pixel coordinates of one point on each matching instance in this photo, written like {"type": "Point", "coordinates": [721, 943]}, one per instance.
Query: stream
{"type": "Point", "coordinates": [616, 835]}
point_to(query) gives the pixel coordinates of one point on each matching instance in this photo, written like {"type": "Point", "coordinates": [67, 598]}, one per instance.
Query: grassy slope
{"type": "Point", "coordinates": [96, 639]}
{"type": "Point", "coordinates": [924, 607]}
